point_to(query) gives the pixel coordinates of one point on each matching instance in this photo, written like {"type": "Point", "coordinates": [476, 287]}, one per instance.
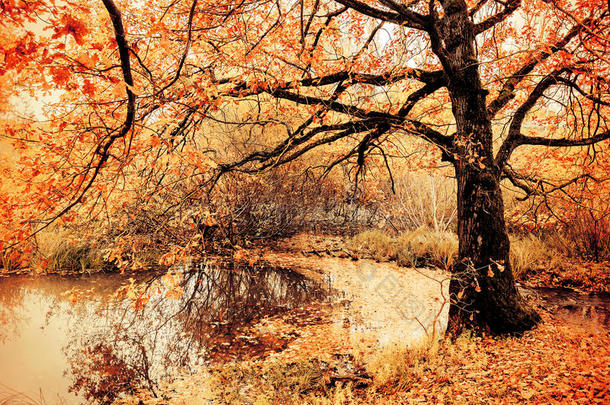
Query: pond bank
{"type": "Point", "coordinates": [585, 277]}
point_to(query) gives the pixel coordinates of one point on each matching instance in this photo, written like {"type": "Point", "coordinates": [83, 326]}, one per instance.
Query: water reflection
{"type": "Point", "coordinates": [90, 343]}
{"type": "Point", "coordinates": [87, 339]}
{"type": "Point", "coordinates": [590, 311]}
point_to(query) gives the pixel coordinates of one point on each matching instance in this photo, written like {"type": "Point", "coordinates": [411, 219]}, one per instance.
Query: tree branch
{"type": "Point", "coordinates": [516, 138]}
{"type": "Point", "coordinates": [536, 187]}
{"type": "Point", "coordinates": [514, 131]}
{"type": "Point", "coordinates": [405, 17]}
{"type": "Point", "coordinates": [507, 92]}
{"type": "Point", "coordinates": [424, 76]}
{"type": "Point", "coordinates": [414, 127]}
{"type": "Point", "coordinates": [186, 49]}
{"type": "Point", "coordinates": [562, 142]}
{"type": "Point", "coordinates": [509, 8]}
{"type": "Point", "coordinates": [103, 148]}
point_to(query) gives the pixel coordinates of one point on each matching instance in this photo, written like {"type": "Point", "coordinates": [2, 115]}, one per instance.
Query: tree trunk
{"type": "Point", "coordinates": [482, 288]}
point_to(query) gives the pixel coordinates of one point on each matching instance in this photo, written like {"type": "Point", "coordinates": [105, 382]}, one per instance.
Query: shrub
{"type": "Point", "coordinates": [423, 201]}
{"type": "Point", "coordinates": [9, 261]}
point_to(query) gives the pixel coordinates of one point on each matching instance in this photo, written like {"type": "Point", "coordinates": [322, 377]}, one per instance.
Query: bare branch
{"type": "Point", "coordinates": [186, 49]}
{"type": "Point", "coordinates": [514, 132]}
{"type": "Point", "coordinates": [242, 89]}
{"type": "Point", "coordinates": [412, 126]}
{"type": "Point", "coordinates": [405, 17]}
{"type": "Point", "coordinates": [509, 8]}
{"type": "Point", "coordinates": [562, 142]}
{"type": "Point", "coordinates": [519, 181]}
{"type": "Point", "coordinates": [536, 186]}
{"type": "Point", "coordinates": [516, 138]}
{"type": "Point", "coordinates": [575, 86]}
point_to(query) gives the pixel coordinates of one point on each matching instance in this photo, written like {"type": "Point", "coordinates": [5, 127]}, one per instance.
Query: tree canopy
{"type": "Point", "coordinates": [134, 96]}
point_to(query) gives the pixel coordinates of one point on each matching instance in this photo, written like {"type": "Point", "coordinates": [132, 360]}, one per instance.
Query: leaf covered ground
{"type": "Point", "coordinates": [554, 364]}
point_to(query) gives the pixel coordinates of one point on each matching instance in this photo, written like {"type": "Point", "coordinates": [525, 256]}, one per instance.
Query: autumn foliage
{"type": "Point", "coordinates": [121, 113]}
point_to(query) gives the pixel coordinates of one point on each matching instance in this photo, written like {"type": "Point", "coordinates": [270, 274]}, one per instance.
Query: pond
{"type": "Point", "coordinates": [72, 340]}
{"type": "Point", "coordinates": [85, 339]}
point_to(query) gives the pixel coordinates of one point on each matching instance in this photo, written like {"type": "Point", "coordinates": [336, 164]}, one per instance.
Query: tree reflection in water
{"type": "Point", "coordinates": [136, 346]}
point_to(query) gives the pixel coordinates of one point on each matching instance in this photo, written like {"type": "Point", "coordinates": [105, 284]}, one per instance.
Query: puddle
{"type": "Point", "coordinates": [590, 311]}
{"type": "Point", "coordinates": [59, 345]}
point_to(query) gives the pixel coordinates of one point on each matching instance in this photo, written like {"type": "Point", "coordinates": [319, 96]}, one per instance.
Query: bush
{"type": "Point", "coordinates": [423, 201]}
{"type": "Point", "coordinates": [9, 261]}
{"type": "Point", "coordinates": [240, 209]}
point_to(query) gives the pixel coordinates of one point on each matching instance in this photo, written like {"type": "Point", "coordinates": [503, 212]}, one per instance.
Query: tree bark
{"type": "Point", "coordinates": [482, 288]}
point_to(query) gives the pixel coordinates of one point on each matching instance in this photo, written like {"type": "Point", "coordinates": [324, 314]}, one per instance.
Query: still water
{"type": "Point", "coordinates": [75, 340]}
{"type": "Point", "coordinates": [84, 339]}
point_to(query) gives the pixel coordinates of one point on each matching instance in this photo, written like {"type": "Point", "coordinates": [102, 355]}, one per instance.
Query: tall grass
{"type": "Point", "coordinates": [418, 248]}
{"type": "Point", "coordinates": [426, 247]}
{"type": "Point", "coordinates": [63, 252]}
{"type": "Point", "coordinates": [527, 252]}
{"type": "Point", "coordinates": [399, 366]}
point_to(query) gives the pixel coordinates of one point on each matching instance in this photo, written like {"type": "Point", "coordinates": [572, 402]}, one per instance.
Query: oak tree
{"type": "Point", "coordinates": [131, 81]}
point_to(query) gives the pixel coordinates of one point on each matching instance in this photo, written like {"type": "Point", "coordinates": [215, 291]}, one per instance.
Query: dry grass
{"type": "Point", "coordinates": [63, 252]}
{"type": "Point", "coordinates": [528, 252]}
{"type": "Point", "coordinates": [399, 366]}
{"type": "Point", "coordinates": [374, 243]}
{"type": "Point", "coordinates": [419, 248]}
{"type": "Point", "coordinates": [549, 261]}
{"type": "Point", "coordinates": [426, 247]}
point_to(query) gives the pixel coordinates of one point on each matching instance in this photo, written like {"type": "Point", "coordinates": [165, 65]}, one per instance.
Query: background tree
{"type": "Point", "coordinates": [467, 77]}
